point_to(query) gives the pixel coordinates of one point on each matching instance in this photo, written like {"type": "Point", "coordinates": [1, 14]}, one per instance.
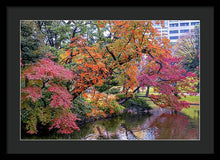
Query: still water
{"type": "Point", "coordinates": [158, 124]}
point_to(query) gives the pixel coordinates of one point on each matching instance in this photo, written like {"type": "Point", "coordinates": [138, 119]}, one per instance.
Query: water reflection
{"type": "Point", "coordinates": [175, 126]}
{"type": "Point", "coordinates": [158, 124]}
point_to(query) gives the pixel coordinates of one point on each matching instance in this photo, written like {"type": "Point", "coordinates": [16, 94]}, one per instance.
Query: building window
{"type": "Point", "coordinates": [184, 24]}
{"type": "Point", "coordinates": [173, 31]}
{"type": "Point", "coordinates": [174, 25]}
{"type": "Point", "coordinates": [184, 31]}
{"type": "Point", "coordinates": [194, 23]}
{"type": "Point", "coordinates": [174, 37]}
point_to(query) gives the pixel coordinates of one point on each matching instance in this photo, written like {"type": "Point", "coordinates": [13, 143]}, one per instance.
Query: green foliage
{"type": "Point", "coordinates": [44, 114]}
{"type": "Point", "coordinates": [114, 90]}
{"type": "Point", "coordinates": [29, 44]}
{"type": "Point", "coordinates": [25, 114]}
{"type": "Point", "coordinates": [117, 107]}
{"type": "Point", "coordinates": [120, 96]}
{"type": "Point", "coordinates": [134, 102]}
{"type": "Point", "coordinates": [31, 123]}
{"type": "Point", "coordinates": [191, 64]}
{"type": "Point", "coordinates": [102, 88]}
{"type": "Point", "coordinates": [188, 48]}
{"type": "Point", "coordinates": [57, 33]}
{"type": "Point", "coordinates": [81, 107]}
{"type": "Point", "coordinates": [137, 102]}
{"type": "Point", "coordinates": [107, 85]}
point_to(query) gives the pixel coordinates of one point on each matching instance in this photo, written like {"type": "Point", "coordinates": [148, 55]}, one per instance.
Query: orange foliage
{"type": "Point", "coordinates": [96, 63]}
{"type": "Point", "coordinates": [102, 104]}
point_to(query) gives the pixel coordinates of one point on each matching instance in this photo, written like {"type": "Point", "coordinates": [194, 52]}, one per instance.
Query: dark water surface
{"type": "Point", "coordinates": [158, 124]}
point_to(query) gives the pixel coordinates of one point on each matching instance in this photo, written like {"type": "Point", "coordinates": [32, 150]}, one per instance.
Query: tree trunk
{"type": "Point", "coordinates": [147, 92]}
{"type": "Point", "coordinates": [138, 90]}
{"type": "Point", "coordinates": [26, 81]}
{"type": "Point", "coordinates": [127, 98]}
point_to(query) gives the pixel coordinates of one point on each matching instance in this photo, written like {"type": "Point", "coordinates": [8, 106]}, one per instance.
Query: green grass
{"type": "Point", "coordinates": [192, 112]}
{"type": "Point", "coordinates": [143, 92]}
{"type": "Point", "coordinates": [151, 91]}
{"type": "Point", "coordinates": [191, 99]}
{"type": "Point", "coordinates": [151, 104]}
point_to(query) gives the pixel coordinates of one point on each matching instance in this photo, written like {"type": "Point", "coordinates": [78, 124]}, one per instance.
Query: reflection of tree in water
{"type": "Point", "coordinates": [120, 127]}
{"type": "Point", "coordinates": [174, 126]}
{"type": "Point", "coordinates": [86, 129]}
{"type": "Point", "coordinates": [133, 121]}
{"type": "Point", "coordinates": [112, 124]}
{"type": "Point", "coordinates": [103, 129]}
{"type": "Point", "coordinates": [107, 128]}
{"type": "Point", "coordinates": [150, 133]}
{"type": "Point", "coordinates": [158, 125]}
{"type": "Point", "coordinates": [129, 134]}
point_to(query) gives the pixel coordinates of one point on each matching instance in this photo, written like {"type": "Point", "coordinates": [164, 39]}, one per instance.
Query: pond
{"type": "Point", "coordinates": [158, 124]}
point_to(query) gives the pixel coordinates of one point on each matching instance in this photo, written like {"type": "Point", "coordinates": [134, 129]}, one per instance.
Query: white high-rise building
{"type": "Point", "coordinates": [175, 29]}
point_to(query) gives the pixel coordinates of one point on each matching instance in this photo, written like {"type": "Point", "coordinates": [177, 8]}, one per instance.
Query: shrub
{"type": "Point", "coordinates": [114, 90]}
{"type": "Point", "coordinates": [103, 105]}
{"type": "Point", "coordinates": [137, 102]}
{"type": "Point", "coordinates": [120, 96]}
{"type": "Point", "coordinates": [81, 107]}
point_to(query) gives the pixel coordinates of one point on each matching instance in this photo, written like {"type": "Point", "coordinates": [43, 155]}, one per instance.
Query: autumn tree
{"type": "Point", "coordinates": [45, 98]}
{"type": "Point", "coordinates": [188, 48]}
{"type": "Point", "coordinates": [169, 80]}
{"type": "Point", "coordinates": [31, 43]}
{"type": "Point", "coordinates": [96, 63]}
{"type": "Point", "coordinates": [131, 42]}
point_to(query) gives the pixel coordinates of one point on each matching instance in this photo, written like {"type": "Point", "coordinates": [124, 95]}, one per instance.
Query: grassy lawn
{"type": "Point", "coordinates": [191, 99]}
{"type": "Point", "coordinates": [143, 92]}
{"type": "Point", "coordinates": [151, 104]}
{"type": "Point", "coordinates": [192, 111]}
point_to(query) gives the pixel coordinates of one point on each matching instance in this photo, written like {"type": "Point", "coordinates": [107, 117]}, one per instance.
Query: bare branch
{"type": "Point", "coordinates": [113, 56]}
